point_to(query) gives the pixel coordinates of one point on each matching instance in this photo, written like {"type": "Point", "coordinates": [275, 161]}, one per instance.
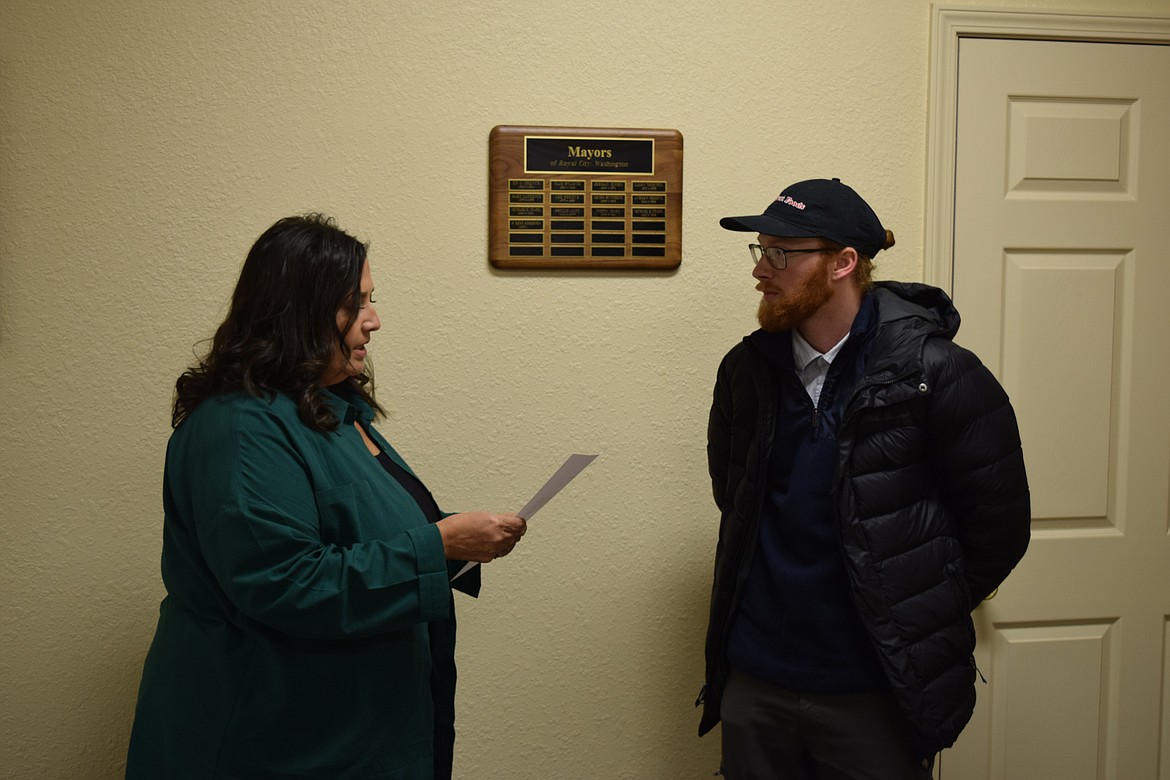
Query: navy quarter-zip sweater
{"type": "Point", "coordinates": [797, 625]}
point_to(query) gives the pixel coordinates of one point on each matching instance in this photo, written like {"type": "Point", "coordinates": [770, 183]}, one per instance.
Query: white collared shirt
{"type": "Point", "coordinates": [813, 366]}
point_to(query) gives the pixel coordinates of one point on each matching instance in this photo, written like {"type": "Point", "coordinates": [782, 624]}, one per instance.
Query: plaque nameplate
{"type": "Point", "coordinates": [558, 154]}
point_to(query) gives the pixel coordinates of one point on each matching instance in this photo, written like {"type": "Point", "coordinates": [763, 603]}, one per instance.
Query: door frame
{"type": "Point", "coordinates": [950, 24]}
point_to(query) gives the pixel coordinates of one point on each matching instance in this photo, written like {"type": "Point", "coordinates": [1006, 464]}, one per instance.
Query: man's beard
{"type": "Point", "coordinates": [792, 308]}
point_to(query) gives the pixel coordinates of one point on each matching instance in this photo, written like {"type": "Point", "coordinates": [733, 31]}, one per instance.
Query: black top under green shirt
{"type": "Point", "coordinates": [442, 632]}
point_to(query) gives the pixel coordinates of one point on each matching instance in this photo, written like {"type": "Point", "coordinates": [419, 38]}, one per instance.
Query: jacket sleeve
{"type": "Point", "coordinates": [257, 520]}
{"type": "Point", "coordinates": [719, 426]}
{"type": "Point", "coordinates": [977, 452]}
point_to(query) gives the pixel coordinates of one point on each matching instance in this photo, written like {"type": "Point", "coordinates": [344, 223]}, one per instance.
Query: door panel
{"type": "Point", "coordinates": [1062, 200]}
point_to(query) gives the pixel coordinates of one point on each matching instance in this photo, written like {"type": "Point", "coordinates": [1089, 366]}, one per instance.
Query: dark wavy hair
{"type": "Point", "coordinates": [281, 333]}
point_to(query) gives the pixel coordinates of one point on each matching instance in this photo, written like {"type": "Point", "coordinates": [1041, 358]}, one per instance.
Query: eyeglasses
{"type": "Point", "coordinates": [777, 257]}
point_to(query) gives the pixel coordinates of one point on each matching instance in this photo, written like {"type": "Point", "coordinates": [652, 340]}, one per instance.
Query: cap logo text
{"type": "Point", "coordinates": [788, 201]}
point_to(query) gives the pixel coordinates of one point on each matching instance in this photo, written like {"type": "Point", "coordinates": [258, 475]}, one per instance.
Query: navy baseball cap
{"type": "Point", "coordinates": [823, 208]}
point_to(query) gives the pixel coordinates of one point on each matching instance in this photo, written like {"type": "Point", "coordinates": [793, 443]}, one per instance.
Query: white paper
{"type": "Point", "coordinates": [573, 466]}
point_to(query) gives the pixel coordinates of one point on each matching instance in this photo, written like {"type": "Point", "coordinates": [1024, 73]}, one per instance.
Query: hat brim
{"type": "Point", "coordinates": [766, 224]}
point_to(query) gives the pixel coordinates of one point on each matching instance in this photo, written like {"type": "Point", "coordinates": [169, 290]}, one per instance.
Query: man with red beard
{"type": "Point", "coordinates": [872, 489]}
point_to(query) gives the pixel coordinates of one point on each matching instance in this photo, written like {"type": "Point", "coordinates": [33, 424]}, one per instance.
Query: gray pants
{"type": "Point", "coordinates": [770, 733]}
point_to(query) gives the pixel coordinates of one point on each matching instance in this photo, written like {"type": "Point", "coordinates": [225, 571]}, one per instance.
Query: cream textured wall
{"type": "Point", "coordinates": [144, 146]}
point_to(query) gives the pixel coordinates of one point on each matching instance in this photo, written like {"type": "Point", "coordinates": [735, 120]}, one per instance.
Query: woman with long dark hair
{"type": "Point", "coordinates": [308, 628]}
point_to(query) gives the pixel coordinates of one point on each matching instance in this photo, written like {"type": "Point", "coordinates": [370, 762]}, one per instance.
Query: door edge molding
{"type": "Point", "coordinates": [949, 25]}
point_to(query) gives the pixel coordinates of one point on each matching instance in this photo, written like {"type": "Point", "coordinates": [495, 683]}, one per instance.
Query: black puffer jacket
{"type": "Point", "coordinates": [932, 502]}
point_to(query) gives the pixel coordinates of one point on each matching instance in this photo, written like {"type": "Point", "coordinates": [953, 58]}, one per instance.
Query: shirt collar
{"type": "Point", "coordinates": [347, 405]}
{"type": "Point", "coordinates": [804, 353]}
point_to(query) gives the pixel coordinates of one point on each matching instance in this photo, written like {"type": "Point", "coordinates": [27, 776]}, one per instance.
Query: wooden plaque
{"type": "Point", "coordinates": [584, 197]}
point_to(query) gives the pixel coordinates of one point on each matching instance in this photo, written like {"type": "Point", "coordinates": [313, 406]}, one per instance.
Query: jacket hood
{"type": "Point", "coordinates": [900, 300]}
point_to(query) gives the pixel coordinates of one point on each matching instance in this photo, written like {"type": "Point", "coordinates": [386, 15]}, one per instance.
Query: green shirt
{"type": "Point", "coordinates": [300, 579]}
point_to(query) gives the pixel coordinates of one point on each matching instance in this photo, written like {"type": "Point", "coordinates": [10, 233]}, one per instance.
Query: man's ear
{"type": "Point", "coordinates": [844, 263]}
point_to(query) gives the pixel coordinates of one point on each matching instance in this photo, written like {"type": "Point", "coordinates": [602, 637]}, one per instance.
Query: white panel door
{"type": "Point", "coordinates": [1062, 275]}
